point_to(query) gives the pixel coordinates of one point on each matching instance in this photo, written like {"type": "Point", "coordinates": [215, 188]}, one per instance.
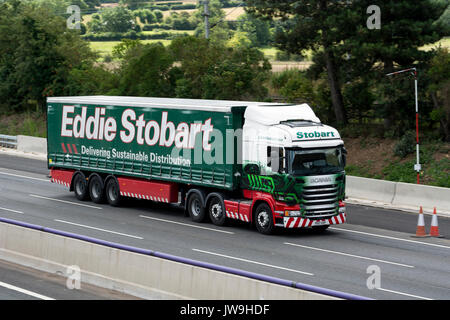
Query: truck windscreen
{"type": "Point", "coordinates": [303, 162]}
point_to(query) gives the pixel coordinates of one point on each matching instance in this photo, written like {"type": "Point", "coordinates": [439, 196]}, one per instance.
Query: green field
{"type": "Point", "coordinates": [106, 47]}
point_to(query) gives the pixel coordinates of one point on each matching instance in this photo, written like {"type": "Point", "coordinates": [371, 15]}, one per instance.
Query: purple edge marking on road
{"type": "Point", "coordinates": [248, 274]}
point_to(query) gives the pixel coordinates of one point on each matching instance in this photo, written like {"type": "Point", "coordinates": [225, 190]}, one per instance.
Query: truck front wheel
{"type": "Point", "coordinates": [264, 219]}
{"type": "Point", "coordinates": [195, 208]}
{"type": "Point", "coordinates": [112, 192]}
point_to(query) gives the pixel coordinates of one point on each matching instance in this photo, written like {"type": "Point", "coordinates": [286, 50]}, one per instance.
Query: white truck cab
{"type": "Point", "coordinates": [300, 161]}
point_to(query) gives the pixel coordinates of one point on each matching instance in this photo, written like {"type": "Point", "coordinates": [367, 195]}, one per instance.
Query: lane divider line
{"type": "Point", "coordinates": [254, 262]}
{"type": "Point", "coordinates": [186, 224]}
{"type": "Point", "coordinates": [349, 255]}
{"type": "Point", "coordinates": [98, 229]}
{"type": "Point", "coordinates": [26, 177]}
{"type": "Point", "coordinates": [404, 294]}
{"type": "Point", "coordinates": [64, 201]}
{"type": "Point", "coordinates": [11, 210]}
{"type": "Point", "coordinates": [391, 238]}
{"type": "Point", "coordinates": [24, 291]}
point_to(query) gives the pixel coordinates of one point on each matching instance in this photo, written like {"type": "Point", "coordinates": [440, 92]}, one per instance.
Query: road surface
{"type": "Point", "coordinates": [343, 258]}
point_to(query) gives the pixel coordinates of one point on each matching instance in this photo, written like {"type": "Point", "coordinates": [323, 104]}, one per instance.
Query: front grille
{"type": "Point", "coordinates": [320, 201]}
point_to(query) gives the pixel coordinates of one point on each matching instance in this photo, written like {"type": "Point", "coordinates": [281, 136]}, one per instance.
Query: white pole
{"type": "Point", "coordinates": [417, 167]}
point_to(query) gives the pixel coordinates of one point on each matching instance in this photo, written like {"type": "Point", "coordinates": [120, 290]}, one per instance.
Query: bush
{"type": "Point", "coordinates": [406, 145]}
{"type": "Point", "coordinates": [183, 7]}
{"type": "Point", "coordinates": [153, 26]}
{"type": "Point", "coordinates": [286, 56]}
{"type": "Point", "coordinates": [115, 36]}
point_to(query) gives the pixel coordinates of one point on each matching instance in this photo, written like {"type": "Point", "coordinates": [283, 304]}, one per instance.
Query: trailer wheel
{"type": "Point", "coordinates": [195, 208]}
{"type": "Point", "coordinates": [80, 187]}
{"type": "Point", "coordinates": [264, 219]}
{"type": "Point", "coordinates": [96, 189]}
{"type": "Point", "coordinates": [112, 192]}
{"type": "Point", "coordinates": [216, 210]}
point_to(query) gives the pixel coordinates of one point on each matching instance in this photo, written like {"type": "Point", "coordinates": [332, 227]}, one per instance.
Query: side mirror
{"type": "Point", "coordinates": [252, 168]}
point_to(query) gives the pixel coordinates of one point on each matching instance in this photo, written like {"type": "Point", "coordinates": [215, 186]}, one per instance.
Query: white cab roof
{"type": "Point", "coordinates": [271, 114]}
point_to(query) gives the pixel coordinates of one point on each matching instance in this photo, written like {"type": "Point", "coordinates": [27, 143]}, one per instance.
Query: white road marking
{"type": "Point", "coordinates": [98, 229]}
{"type": "Point", "coordinates": [349, 255]}
{"type": "Point", "coordinates": [26, 177]}
{"type": "Point", "coordinates": [24, 291]}
{"type": "Point", "coordinates": [186, 224]}
{"type": "Point", "coordinates": [254, 262]}
{"type": "Point", "coordinates": [404, 294]}
{"type": "Point", "coordinates": [391, 238]}
{"type": "Point", "coordinates": [11, 210]}
{"type": "Point", "coordinates": [64, 201]}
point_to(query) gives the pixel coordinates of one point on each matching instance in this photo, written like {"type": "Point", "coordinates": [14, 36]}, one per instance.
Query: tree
{"type": "Point", "coordinates": [118, 19]}
{"type": "Point", "coordinates": [146, 71]}
{"type": "Point", "coordinates": [158, 15]}
{"type": "Point", "coordinates": [312, 24]}
{"type": "Point", "coordinates": [257, 30]}
{"type": "Point", "coordinates": [132, 4]}
{"type": "Point", "coordinates": [213, 71]}
{"type": "Point", "coordinates": [37, 54]}
{"type": "Point", "coordinates": [367, 55]}
{"type": "Point", "coordinates": [439, 89]}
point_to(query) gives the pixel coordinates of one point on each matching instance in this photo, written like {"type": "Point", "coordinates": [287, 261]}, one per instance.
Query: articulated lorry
{"type": "Point", "coordinates": [267, 164]}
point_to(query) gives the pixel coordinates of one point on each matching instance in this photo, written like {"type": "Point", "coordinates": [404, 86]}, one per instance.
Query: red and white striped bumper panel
{"type": "Point", "coordinates": [142, 196]}
{"type": "Point", "coordinates": [237, 216]}
{"type": "Point", "coordinates": [60, 182]}
{"type": "Point", "coordinates": [62, 177]}
{"type": "Point", "coordinates": [297, 222]}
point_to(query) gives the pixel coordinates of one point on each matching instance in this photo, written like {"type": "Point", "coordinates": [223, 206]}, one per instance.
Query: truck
{"type": "Point", "coordinates": [271, 165]}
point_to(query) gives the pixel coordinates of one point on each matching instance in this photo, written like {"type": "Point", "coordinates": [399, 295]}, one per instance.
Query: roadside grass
{"type": "Point", "coordinates": [28, 124]}
{"type": "Point", "coordinates": [434, 158]}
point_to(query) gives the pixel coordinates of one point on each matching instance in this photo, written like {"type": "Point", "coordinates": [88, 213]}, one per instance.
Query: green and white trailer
{"type": "Point", "coordinates": [272, 165]}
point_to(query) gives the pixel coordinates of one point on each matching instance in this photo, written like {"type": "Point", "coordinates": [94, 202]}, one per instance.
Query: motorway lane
{"type": "Point", "coordinates": [22, 283]}
{"type": "Point", "coordinates": [337, 259]}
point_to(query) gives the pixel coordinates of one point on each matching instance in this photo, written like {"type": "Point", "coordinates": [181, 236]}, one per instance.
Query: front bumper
{"type": "Point", "coordinates": [299, 222]}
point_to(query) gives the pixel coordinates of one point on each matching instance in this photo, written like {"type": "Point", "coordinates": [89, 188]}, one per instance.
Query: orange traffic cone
{"type": "Point", "coordinates": [420, 231]}
{"type": "Point", "coordinates": [434, 229]}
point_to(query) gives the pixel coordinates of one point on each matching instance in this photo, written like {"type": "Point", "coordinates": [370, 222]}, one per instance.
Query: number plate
{"type": "Point", "coordinates": [320, 223]}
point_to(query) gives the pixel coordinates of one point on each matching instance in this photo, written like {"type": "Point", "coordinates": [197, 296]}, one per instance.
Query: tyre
{"type": "Point", "coordinates": [195, 208]}
{"type": "Point", "coordinates": [96, 189]}
{"type": "Point", "coordinates": [80, 187]}
{"type": "Point", "coordinates": [112, 192]}
{"type": "Point", "coordinates": [216, 211]}
{"type": "Point", "coordinates": [264, 219]}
